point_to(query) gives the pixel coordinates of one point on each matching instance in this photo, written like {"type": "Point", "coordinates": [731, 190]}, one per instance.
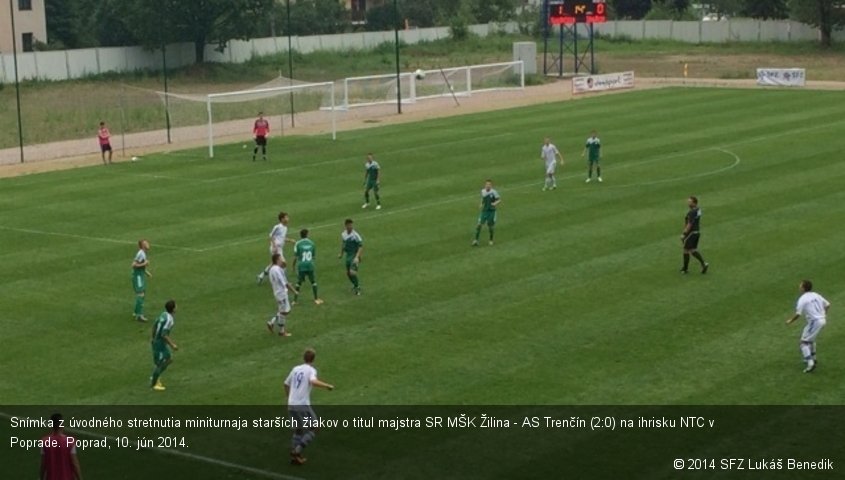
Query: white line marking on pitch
{"type": "Point", "coordinates": [96, 239]}
{"type": "Point", "coordinates": [191, 456]}
{"type": "Point", "coordinates": [517, 187]}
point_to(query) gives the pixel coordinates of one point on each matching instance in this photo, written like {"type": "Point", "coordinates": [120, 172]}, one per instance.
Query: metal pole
{"type": "Point", "coordinates": [166, 96]}
{"type": "Point", "coordinates": [560, 53]}
{"type": "Point", "coordinates": [290, 67]}
{"type": "Point", "coordinates": [592, 52]}
{"type": "Point", "coordinates": [122, 121]}
{"type": "Point", "coordinates": [17, 81]}
{"type": "Point", "coordinates": [396, 39]}
{"type": "Point", "coordinates": [575, 43]}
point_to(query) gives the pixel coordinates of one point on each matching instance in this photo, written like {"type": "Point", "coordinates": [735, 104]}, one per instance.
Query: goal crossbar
{"type": "Point", "coordinates": [211, 98]}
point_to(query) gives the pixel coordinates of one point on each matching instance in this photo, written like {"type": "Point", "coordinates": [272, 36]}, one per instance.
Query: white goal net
{"type": "Point", "coordinates": [284, 103]}
{"type": "Point", "coordinates": [459, 81]}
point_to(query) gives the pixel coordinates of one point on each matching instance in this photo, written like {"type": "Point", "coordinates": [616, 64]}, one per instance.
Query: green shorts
{"type": "Point", "coordinates": [139, 282]}
{"type": "Point", "coordinates": [351, 264]}
{"type": "Point", "coordinates": [301, 275]}
{"type": "Point", "coordinates": [161, 354]}
{"type": "Point", "coordinates": [372, 186]}
{"type": "Point", "coordinates": [593, 161]}
{"type": "Point", "coordinates": [487, 217]}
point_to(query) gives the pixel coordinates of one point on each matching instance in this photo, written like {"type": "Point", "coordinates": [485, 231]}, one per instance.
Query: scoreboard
{"type": "Point", "coordinates": [569, 12]}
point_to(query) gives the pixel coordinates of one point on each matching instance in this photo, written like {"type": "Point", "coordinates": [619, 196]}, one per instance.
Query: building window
{"type": "Point", "coordinates": [27, 42]}
{"type": "Point", "coordinates": [24, 5]}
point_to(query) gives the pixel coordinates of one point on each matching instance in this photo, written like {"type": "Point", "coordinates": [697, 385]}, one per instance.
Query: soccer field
{"type": "Point", "coordinates": [579, 301]}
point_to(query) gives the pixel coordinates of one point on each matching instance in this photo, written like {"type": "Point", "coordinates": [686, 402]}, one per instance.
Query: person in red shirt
{"type": "Point", "coordinates": [58, 455]}
{"type": "Point", "coordinates": [261, 129]}
{"type": "Point", "coordinates": [104, 137]}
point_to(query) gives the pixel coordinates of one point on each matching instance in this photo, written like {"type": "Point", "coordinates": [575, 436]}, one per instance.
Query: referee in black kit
{"type": "Point", "coordinates": [691, 234]}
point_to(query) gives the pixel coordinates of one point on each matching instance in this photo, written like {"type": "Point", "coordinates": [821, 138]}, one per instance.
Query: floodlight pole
{"type": "Point", "coordinates": [164, 68]}
{"type": "Point", "coordinates": [17, 80]}
{"type": "Point", "coordinates": [290, 65]}
{"type": "Point", "coordinates": [396, 39]}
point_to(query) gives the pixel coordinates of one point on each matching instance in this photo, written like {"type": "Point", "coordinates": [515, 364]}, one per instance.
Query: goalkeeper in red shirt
{"type": "Point", "coordinates": [261, 129]}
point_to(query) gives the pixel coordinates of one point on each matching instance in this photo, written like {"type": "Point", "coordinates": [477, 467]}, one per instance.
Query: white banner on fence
{"type": "Point", "coordinates": [600, 83]}
{"type": "Point", "coordinates": [781, 77]}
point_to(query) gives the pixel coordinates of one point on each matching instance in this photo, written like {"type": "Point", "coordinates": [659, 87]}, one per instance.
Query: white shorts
{"type": "Point", "coordinates": [811, 330]}
{"type": "Point", "coordinates": [275, 249]}
{"type": "Point", "coordinates": [550, 169]}
{"type": "Point", "coordinates": [283, 305]}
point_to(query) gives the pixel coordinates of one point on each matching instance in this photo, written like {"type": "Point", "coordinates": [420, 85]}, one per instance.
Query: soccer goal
{"type": "Point", "coordinates": [460, 81]}
{"type": "Point", "coordinates": [309, 102]}
{"type": "Point", "coordinates": [285, 104]}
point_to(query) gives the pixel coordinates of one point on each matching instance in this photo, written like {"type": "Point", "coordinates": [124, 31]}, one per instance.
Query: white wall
{"type": "Point", "coordinates": [67, 64]}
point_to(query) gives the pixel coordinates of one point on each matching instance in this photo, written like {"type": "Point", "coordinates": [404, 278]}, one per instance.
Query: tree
{"type": "Point", "coordinates": [670, 10]}
{"type": "Point", "coordinates": [69, 23]}
{"type": "Point", "coordinates": [765, 9]}
{"type": "Point", "coordinates": [158, 22]}
{"type": "Point", "coordinates": [824, 14]}
{"type": "Point", "coordinates": [723, 8]}
{"type": "Point", "coordinates": [631, 9]}
{"type": "Point", "coordinates": [312, 17]}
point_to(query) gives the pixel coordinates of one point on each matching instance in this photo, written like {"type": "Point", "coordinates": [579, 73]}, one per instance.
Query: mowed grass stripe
{"type": "Point", "coordinates": [583, 279]}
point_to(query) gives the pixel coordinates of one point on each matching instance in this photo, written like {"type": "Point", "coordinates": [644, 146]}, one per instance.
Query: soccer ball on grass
{"type": "Point", "coordinates": [419, 74]}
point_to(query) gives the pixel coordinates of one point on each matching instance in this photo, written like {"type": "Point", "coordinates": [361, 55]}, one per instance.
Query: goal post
{"type": "Point", "coordinates": [461, 81]}
{"type": "Point", "coordinates": [309, 99]}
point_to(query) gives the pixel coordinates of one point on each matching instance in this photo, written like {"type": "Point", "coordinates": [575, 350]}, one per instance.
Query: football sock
{"type": "Point", "coordinates": [296, 295]}
{"type": "Point", "coordinates": [598, 171]}
{"type": "Point", "coordinates": [266, 271]}
{"type": "Point", "coordinates": [491, 233]}
{"type": "Point", "coordinates": [367, 196]}
{"type": "Point", "coordinates": [354, 279]}
{"type": "Point", "coordinates": [686, 261]}
{"type": "Point", "coordinates": [306, 439]}
{"type": "Point", "coordinates": [698, 257]}
{"type": "Point", "coordinates": [158, 370]}
{"type": "Point", "coordinates": [378, 198]}
{"type": "Point", "coordinates": [295, 442]}
{"type": "Point", "coordinates": [805, 351]}
{"type": "Point", "coordinates": [139, 305]}
{"type": "Point", "coordinates": [314, 289]}
{"type": "Point", "coordinates": [280, 321]}
{"type": "Point", "coordinates": [813, 349]}
{"type": "Point", "coordinates": [477, 232]}
{"type": "Point", "coordinates": [554, 181]}
{"type": "Point", "coordinates": [590, 172]}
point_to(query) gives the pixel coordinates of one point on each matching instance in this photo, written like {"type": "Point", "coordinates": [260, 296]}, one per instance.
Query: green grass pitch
{"type": "Point", "coordinates": [578, 302]}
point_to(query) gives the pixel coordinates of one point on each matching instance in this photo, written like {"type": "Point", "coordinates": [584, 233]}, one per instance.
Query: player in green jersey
{"type": "Point", "coordinates": [139, 278]}
{"type": "Point", "coordinates": [305, 253]}
{"type": "Point", "coordinates": [490, 199]}
{"type": "Point", "coordinates": [353, 246]}
{"type": "Point", "coordinates": [162, 344]}
{"type": "Point", "coordinates": [372, 180]}
{"type": "Point", "coordinates": [593, 151]}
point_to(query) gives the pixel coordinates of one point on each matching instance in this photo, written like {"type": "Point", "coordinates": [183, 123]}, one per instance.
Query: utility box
{"type": "Point", "coordinates": [527, 52]}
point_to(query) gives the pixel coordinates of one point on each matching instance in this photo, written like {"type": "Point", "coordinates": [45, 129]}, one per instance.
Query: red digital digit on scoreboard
{"type": "Point", "coordinates": [568, 12]}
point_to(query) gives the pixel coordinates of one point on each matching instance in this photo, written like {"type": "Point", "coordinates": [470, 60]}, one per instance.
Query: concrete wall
{"type": "Point", "coordinates": [68, 64]}
{"type": "Point", "coordinates": [740, 30]}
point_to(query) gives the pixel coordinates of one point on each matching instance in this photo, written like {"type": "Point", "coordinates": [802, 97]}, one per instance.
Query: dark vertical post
{"type": "Point", "coordinates": [396, 39]}
{"type": "Point", "coordinates": [560, 52]}
{"type": "Point", "coordinates": [17, 78]}
{"type": "Point", "coordinates": [166, 96]}
{"type": "Point", "coordinates": [592, 51]}
{"type": "Point", "coordinates": [575, 44]}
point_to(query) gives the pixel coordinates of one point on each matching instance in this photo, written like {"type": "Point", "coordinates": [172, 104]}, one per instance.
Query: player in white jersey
{"type": "Point", "coordinates": [298, 385]}
{"type": "Point", "coordinates": [814, 307]}
{"type": "Point", "coordinates": [550, 155]}
{"type": "Point", "coordinates": [281, 285]}
{"type": "Point", "coordinates": [278, 238]}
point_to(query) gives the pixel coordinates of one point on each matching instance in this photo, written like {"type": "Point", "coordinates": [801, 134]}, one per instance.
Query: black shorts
{"type": "Point", "coordinates": [105, 147]}
{"type": "Point", "coordinates": [261, 141]}
{"type": "Point", "coordinates": [691, 241]}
